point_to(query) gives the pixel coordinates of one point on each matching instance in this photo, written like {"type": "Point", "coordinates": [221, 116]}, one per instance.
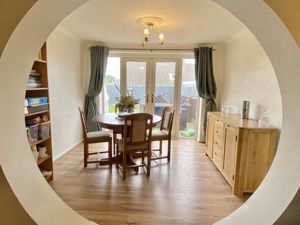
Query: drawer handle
{"type": "Point", "coordinates": [217, 131]}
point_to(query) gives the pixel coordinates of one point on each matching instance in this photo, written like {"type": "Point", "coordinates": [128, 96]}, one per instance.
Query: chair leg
{"type": "Point", "coordinates": [85, 153]}
{"type": "Point", "coordinates": [110, 152]}
{"type": "Point", "coordinates": [160, 147]}
{"type": "Point", "coordinates": [114, 142]}
{"type": "Point", "coordinates": [124, 165]}
{"type": "Point", "coordinates": [117, 150]}
{"type": "Point", "coordinates": [143, 157]}
{"type": "Point", "coordinates": [148, 162]}
{"type": "Point", "coordinates": [169, 150]}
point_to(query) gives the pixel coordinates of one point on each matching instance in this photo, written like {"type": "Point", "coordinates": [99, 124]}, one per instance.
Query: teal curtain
{"type": "Point", "coordinates": [99, 55]}
{"type": "Point", "coordinates": [205, 83]}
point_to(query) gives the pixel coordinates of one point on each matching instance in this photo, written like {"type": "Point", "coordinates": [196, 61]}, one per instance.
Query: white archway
{"type": "Point", "coordinates": [265, 205]}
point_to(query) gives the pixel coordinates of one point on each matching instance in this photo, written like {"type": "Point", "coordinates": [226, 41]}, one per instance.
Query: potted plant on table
{"type": "Point", "coordinates": [126, 103]}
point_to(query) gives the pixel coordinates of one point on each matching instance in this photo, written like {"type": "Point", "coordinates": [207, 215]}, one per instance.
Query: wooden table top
{"type": "Point", "coordinates": [113, 121]}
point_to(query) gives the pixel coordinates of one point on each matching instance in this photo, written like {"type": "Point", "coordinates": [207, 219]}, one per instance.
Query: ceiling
{"type": "Point", "coordinates": [188, 23]}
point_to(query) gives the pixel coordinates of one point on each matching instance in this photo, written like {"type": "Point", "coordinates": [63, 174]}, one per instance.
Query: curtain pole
{"type": "Point", "coordinates": [152, 49]}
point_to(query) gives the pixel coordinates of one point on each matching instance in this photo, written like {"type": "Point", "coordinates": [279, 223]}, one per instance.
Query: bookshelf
{"type": "Point", "coordinates": [37, 114]}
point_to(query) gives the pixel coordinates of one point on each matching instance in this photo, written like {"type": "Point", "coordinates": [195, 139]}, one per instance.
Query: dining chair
{"type": "Point", "coordinates": [164, 133]}
{"type": "Point", "coordinates": [136, 138]}
{"type": "Point", "coordinates": [95, 137]}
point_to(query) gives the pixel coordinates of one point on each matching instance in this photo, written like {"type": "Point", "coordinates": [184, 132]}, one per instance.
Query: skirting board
{"type": "Point", "coordinates": [67, 150]}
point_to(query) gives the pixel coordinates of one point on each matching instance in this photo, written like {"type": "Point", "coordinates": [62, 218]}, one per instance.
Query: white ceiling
{"type": "Point", "coordinates": [188, 22]}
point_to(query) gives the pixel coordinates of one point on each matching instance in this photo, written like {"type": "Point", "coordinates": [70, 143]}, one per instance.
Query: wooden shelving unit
{"type": "Point", "coordinates": [40, 60]}
{"type": "Point", "coordinates": [41, 160]}
{"type": "Point", "coordinates": [37, 89]}
{"type": "Point", "coordinates": [36, 113]}
{"type": "Point", "coordinates": [44, 136]}
{"type": "Point", "coordinates": [38, 142]}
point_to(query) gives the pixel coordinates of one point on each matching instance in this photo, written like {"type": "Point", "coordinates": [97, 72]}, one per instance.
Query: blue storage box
{"type": "Point", "coordinates": [37, 100]}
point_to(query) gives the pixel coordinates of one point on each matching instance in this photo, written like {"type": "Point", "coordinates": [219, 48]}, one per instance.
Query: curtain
{"type": "Point", "coordinates": [205, 83]}
{"type": "Point", "coordinates": [99, 55]}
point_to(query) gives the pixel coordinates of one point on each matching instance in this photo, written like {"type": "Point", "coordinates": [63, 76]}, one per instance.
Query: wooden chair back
{"type": "Point", "coordinates": [167, 119]}
{"type": "Point", "coordinates": [138, 129]}
{"type": "Point", "coordinates": [83, 123]}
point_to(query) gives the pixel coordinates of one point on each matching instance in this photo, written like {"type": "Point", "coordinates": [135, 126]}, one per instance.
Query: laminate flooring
{"type": "Point", "coordinates": [187, 191]}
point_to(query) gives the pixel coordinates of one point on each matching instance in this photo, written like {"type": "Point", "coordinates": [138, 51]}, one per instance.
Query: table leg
{"type": "Point", "coordinates": [129, 160]}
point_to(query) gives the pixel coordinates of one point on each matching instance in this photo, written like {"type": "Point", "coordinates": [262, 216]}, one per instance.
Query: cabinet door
{"type": "Point", "coordinates": [210, 135]}
{"type": "Point", "coordinates": [229, 157]}
{"type": "Point", "coordinates": [260, 153]}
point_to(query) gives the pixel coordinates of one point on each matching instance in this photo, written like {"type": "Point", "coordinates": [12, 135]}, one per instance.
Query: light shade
{"type": "Point", "coordinates": [161, 39]}
{"type": "Point", "coordinates": [146, 34]}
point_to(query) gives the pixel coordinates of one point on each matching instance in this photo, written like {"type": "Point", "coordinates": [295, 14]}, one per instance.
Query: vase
{"type": "Point", "coordinates": [129, 109]}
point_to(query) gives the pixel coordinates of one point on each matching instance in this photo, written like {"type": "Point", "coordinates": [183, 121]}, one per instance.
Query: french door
{"type": "Point", "coordinates": [155, 82]}
{"type": "Point", "coordinates": [136, 82]}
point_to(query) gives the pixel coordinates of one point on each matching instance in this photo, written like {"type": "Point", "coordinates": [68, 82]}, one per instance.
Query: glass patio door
{"type": "Point", "coordinates": [137, 82]}
{"type": "Point", "coordinates": [165, 76]}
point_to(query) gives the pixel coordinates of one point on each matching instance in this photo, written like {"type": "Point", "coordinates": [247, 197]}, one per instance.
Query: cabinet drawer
{"type": "Point", "coordinates": [218, 152]}
{"type": "Point", "coordinates": [217, 159]}
{"type": "Point", "coordinates": [219, 133]}
{"type": "Point", "coordinates": [219, 128]}
{"type": "Point", "coordinates": [218, 143]}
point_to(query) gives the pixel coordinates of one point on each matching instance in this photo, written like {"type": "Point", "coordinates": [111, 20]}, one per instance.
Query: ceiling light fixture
{"type": "Point", "coordinates": [150, 22]}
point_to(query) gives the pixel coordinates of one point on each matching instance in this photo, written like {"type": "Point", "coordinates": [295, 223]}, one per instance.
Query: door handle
{"type": "Point", "coordinates": [146, 98]}
{"type": "Point", "coordinates": [152, 98]}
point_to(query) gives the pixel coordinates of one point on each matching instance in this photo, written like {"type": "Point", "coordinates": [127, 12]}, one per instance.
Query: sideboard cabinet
{"type": "Point", "coordinates": [240, 149]}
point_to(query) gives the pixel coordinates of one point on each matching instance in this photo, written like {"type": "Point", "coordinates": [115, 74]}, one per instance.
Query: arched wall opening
{"type": "Point", "coordinates": [18, 164]}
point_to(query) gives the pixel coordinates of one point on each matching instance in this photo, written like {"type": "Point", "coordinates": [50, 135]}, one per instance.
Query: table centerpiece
{"type": "Point", "coordinates": [125, 102]}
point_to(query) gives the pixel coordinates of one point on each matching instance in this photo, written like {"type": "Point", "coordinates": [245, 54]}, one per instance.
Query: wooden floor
{"type": "Point", "coordinates": [187, 191]}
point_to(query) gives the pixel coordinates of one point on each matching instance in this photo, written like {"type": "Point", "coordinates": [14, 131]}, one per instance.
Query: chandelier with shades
{"type": "Point", "coordinates": [149, 23]}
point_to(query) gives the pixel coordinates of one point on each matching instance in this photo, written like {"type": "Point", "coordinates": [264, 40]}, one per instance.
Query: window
{"type": "Point", "coordinates": [111, 84]}
{"type": "Point", "coordinates": [188, 99]}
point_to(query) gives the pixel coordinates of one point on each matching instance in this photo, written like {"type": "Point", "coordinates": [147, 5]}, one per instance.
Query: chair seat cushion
{"type": "Point", "coordinates": [159, 133]}
{"type": "Point", "coordinates": [97, 134]}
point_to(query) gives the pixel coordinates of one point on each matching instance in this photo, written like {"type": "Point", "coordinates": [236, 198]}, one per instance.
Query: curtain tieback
{"type": "Point", "coordinates": [210, 99]}
{"type": "Point", "coordinates": [90, 97]}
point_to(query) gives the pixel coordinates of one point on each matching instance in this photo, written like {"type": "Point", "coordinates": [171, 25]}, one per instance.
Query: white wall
{"type": "Point", "coordinates": [249, 75]}
{"type": "Point", "coordinates": [66, 91]}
